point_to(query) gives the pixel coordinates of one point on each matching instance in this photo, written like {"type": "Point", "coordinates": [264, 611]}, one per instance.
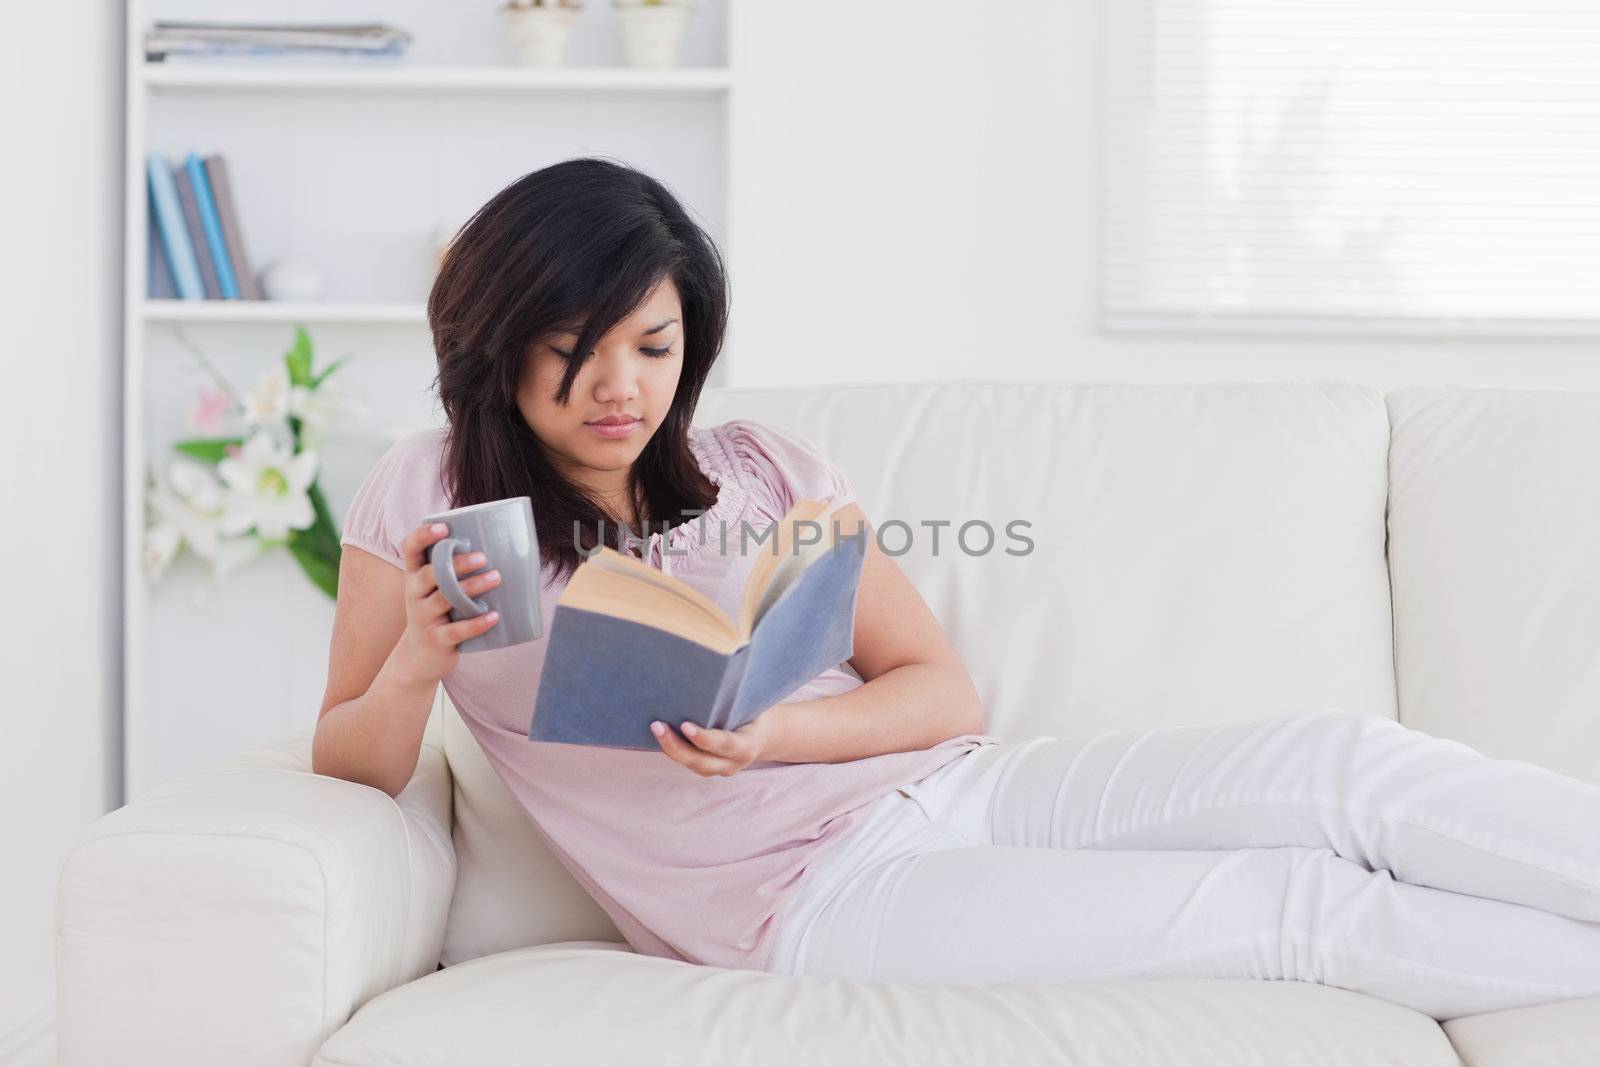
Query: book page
{"type": "Point", "coordinates": [615, 561]}
{"type": "Point", "coordinates": [629, 589]}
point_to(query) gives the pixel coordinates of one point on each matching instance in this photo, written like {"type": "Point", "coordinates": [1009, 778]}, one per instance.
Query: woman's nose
{"type": "Point", "coordinates": [615, 378]}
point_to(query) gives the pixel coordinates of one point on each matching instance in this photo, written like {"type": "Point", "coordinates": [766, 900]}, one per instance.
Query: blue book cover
{"type": "Point", "coordinates": [197, 232]}
{"type": "Point", "coordinates": [194, 166]}
{"type": "Point", "coordinates": [174, 238]}
{"type": "Point", "coordinates": [158, 275]}
{"type": "Point", "coordinates": [606, 677]}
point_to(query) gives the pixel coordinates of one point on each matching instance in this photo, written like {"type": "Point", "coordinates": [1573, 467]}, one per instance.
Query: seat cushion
{"type": "Point", "coordinates": [1563, 1034]}
{"type": "Point", "coordinates": [589, 1003]}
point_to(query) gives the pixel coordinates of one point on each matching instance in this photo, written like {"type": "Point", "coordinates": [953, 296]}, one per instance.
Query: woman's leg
{"type": "Point", "coordinates": [992, 914]}
{"type": "Point", "coordinates": [1432, 811]}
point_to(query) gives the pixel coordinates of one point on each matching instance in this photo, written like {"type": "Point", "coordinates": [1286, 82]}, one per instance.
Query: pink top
{"type": "Point", "coordinates": [688, 867]}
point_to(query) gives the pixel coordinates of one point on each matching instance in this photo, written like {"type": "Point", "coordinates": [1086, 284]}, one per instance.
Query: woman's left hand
{"type": "Point", "coordinates": [715, 752]}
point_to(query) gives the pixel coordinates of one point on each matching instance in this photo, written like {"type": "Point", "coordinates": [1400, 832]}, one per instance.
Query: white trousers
{"type": "Point", "coordinates": [1331, 846]}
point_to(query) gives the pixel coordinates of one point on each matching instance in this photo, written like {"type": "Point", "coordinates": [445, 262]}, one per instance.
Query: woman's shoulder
{"type": "Point", "coordinates": [405, 483]}
{"type": "Point", "coordinates": [779, 464]}
{"type": "Point", "coordinates": [414, 465]}
{"type": "Point", "coordinates": [422, 446]}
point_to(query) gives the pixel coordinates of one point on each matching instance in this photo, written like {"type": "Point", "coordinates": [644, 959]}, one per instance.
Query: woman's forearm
{"type": "Point", "coordinates": [376, 738]}
{"type": "Point", "coordinates": [911, 707]}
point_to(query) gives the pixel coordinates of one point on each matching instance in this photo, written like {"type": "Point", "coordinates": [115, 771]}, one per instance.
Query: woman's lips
{"type": "Point", "coordinates": [613, 429]}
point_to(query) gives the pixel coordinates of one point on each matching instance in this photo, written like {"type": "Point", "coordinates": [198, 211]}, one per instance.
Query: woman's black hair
{"type": "Point", "coordinates": [585, 240]}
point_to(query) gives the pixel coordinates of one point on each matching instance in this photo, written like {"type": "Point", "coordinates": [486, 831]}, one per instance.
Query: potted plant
{"type": "Point", "coordinates": [652, 30]}
{"type": "Point", "coordinates": [232, 496]}
{"type": "Point", "coordinates": [540, 29]}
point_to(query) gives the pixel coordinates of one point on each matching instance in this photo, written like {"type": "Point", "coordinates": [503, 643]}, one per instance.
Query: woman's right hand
{"type": "Point", "coordinates": [426, 651]}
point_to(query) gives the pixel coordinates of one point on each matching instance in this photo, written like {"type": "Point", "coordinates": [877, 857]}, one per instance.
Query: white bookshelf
{"type": "Point", "coordinates": [245, 311]}
{"type": "Point", "coordinates": [350, 168]}
{"type": "Point", "coordinates": [402, 78]}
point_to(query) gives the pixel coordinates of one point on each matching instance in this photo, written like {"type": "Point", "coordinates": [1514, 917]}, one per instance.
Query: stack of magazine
{"type": "Point", "coordinates": [193, 222]}
{"type": "Point", "coordinates": [296, 40]}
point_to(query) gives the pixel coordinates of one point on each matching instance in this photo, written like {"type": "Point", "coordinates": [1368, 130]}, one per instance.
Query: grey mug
{"type": "Point", "coordinates": [503, 531]}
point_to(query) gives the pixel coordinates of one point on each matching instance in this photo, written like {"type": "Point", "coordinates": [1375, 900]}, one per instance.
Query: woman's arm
{"type": "Point", "coordinates": [916, 690]}
{"type": "Point", "coordinates": [392, 643]}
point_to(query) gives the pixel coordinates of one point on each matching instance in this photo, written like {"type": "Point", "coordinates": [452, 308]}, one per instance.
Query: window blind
{"type": "Point", "coordinates": [1353, 160]}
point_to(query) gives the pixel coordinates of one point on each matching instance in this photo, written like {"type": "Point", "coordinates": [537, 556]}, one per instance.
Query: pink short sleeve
{"type": "Point", "coordinates": [784, 466]}
{"type": "Point", "coordinates": [402, 487]}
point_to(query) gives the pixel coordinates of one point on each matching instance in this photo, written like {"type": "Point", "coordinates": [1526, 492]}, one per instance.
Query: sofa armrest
{"type": "Point", "coordinates": [240, 914]}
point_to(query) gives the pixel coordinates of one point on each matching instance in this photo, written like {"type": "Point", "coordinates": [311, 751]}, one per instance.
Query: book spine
{"type": "Point", "coordinates": [721, 711]}
{"type": "Point", "coordinates": [196, 232]}
{"type": "Point", "coordinates": [222, 193]}
{"type": "Point", "coordinates": [213, 227]}
{"type": "Point", "coordinates": [158, 275]}
{"type": "Point", "coordinates": [174, 238]}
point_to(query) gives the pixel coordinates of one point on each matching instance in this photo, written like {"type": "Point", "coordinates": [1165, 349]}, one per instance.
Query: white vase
{"type": "Point", "coordinates": [288, 279]}
{"type": "Point", "coordinates": [539, 35]}
{"type": "Point", "coordinates": [652, 35]}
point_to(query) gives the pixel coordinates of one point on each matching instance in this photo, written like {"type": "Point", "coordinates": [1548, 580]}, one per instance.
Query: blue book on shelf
{"type": "Point", "coordinates": [158, 275]}
{"type": "Point", "coordinates": [174, 237]}
{"type": "Point", "coordinates": [195, 167]}
{"type": "Point", "coordinates": [629, 644]}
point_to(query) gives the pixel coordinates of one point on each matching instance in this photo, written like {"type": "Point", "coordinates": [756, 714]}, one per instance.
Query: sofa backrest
{"type": "Point", "coordinates": [1201, 553]}
{"type": "Point", "coordinates": [1494, 526]}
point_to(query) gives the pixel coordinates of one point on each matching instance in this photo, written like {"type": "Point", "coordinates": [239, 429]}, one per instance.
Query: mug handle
{"type": "Point", "coordinates": [442, 557]}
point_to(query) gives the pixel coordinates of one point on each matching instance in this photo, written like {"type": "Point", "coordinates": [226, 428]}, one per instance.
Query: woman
{"type": "Point", "coordinates": [867, 827]}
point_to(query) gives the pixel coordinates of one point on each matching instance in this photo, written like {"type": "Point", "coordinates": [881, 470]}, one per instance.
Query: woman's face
{"type": "Point", "coordinates": [633, 375]}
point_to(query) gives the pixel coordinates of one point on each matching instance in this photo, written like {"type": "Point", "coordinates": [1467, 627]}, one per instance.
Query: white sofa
{"type": "Point", "coordinates": [1204, 553]}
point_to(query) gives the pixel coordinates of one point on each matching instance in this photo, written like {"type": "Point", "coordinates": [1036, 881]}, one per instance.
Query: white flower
{"type": "Point", "coordinates": [266, 488]}
{"type": "Point", "coordinates": [232, 553]}
{"type": "Point", "coordinates": [161, 544]}
{"type": "Point", "coordinates": [317, 409]}
{"type": "Point", "coordinates": [269, 402]}
{"type": "Point", "coordinates": [190, 502]}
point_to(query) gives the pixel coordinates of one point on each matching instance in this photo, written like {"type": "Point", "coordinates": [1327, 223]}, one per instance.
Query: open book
{"type": "Point", "coordinates": [629, 644]}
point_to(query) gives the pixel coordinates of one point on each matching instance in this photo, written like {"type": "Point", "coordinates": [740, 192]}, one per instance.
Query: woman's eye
{"type": "Point", "coordinates": [654, 353]}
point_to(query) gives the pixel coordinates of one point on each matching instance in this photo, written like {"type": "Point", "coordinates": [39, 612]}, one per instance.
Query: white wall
{"type": "Point", "coordinates": [928, 206]}
{"type": "Point", "coordinates": [60, 431]}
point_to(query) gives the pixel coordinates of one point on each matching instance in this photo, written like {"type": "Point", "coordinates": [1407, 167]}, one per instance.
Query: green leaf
{"type": "Point", "coordinates": [323, 572]}
{"type": "Point", "coordinates": [298, 358]}
{"type": "Point", "coordinates": [209, 449]}
{"type": "Point", "coordinates": [329, 370]}
{"type": "Point", "coordinates": [326, 528]}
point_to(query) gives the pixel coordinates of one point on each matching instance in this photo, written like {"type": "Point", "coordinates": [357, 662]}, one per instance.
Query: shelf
{"type": "Point", "coordinates": [240, 311]}
{"type": "Point", "coordinates": [326, 152]}
{"type": "Point", "coordinates": [404, 78]}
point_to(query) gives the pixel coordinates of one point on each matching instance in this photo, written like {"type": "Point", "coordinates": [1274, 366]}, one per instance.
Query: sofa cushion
{"type": "Point", "coordinates": [1494, 543]}
{"type": "Point", "coordinates": [1562, 1034]}
{"type": "Point", "coordinates": [510, 888]}
{"type": "Point", "coordinates": [577, 1004]}
{"type": "Point", "coordinates": [1203, 553]}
